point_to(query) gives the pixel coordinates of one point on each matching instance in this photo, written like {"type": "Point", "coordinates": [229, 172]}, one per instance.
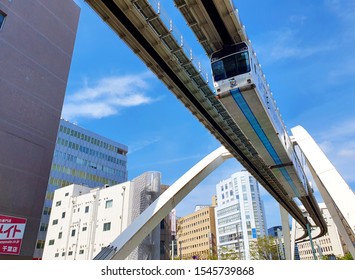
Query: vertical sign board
{"type": "Point", "coordinates": [253, 233]}
{"type": "Point", "coordinates": [11, 234]}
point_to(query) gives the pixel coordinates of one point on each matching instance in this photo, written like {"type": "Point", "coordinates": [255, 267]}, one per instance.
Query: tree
{"type": "Point", "coordinates": [229, 254]}
{"type": "Point", "coordinates": [264, 248]}
{"type": "Point", "coordinates": [347, 256]}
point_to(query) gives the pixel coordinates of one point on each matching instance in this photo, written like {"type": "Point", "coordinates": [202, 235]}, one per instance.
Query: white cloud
{"type": "Point", "coordinates": [344, 9]}
{"type": "Point", "coordinates": [298, 19]}
{"type": "Point", "coordinates": [286, 44]}
{"type": "Point", "coordinates": [338, 144]}
{"type": "Point", "coordinates": [135, 147]}
{"type": "Point", "coordinates": [340, 131]}
{"type": "Point", "coordinates": [107, 96]}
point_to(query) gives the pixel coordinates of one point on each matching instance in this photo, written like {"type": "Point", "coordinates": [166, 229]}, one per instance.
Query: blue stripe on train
{"type": "Point", "coordinates": [244, 107]}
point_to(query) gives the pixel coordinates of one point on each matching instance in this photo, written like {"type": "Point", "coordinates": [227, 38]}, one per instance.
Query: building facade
{"type": "Point", "coordinates": [165, 232]}
{"type": "Point", "coordinates": [84, 158]}
{"type": "Point", "coordinates": [196, 234]}
{"type": "Point", "coordinates": [240, 216]}
{"type": "Point", "coordinates": [84, 220]}
{"type": "Point", "coordinates": [329, 245]}
{"type": "Point", "coordinates": [36, 42]}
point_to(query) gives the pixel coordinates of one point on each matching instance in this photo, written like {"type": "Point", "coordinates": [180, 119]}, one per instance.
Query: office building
{"type": "Point", "coordinates": [196, 234]}
{"type": "Point", "coordinates": [329, 245]}
{"type": "Point", "coordinates": [84, 220]}
{"type": "Point", "coordinates": [240, 216]}
{"type": "Point", "coordinates": [36, 42]}
{"type": "Point", "coordinates": [84, 158]}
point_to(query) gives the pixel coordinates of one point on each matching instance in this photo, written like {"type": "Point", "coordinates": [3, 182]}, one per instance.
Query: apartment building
{"type": "Point", "coordinates": [84, 220]}
{"type": "Point", "coordinates": [196, 234]}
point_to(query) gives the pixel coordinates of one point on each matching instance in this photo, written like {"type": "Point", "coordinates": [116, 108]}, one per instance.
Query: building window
{"type": "Point", "coordinates": [73, 232]}
{"type": "Point", "coordinates": [63, 215]}
{"type": "Point", "coordinates": [60, 235]}
{"type": "Point", "coordinates": [46, 211]}
{"type": "Point", "coordinates": [55, 222]}
{"type": "Point", "coordinates": [85, 228]}
{"type": "Point", "coordinates": [58, 203]}
{"type": "Point", "coordinates": [81, 252]}
{"type": "Point", "coordinates": [70, 253]}
{"type": "Point", "coordinates": [51, 242]}
{"type": "Point", "coordinates": [56, 255]}
{"type": "Point", "coordinates": [40, 244]}
{"type": "Point", "coordinates": [107, 226]}
{"type": "Point", "coordinates": [86, 209]}
{"type": "Point", "coordinates": [109, 203]}
{"type": "Point", "coordinates": [2, 18]}
{"type": "Point", "coordinates": [43, 227]}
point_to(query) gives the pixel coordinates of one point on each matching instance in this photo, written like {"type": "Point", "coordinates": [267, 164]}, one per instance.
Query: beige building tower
{"type": "Point", "coordinates": [196, 234]}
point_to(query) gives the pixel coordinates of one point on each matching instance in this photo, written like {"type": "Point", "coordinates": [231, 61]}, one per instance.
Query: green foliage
{"type": "Point", "coordinates": [226, 254]}
{"type": "Point", "coordinates": [264, 248]}
{"type": "Point", "coordinates": [347, 256]}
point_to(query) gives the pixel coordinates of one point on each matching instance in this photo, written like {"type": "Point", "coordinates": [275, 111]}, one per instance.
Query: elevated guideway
{"type": "Point", "coordinates": [216, 23]}
{"type": "Point", "coordinates": [140, 26]}
{"type": "Point", "coordinates": [217, 26]}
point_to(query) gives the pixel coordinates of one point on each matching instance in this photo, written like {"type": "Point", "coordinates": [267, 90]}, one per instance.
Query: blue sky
{"type": "Point", "coordinates": [306, 49]}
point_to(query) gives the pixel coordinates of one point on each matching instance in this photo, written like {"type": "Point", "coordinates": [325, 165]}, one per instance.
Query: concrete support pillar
{"type": "Point", "coordinates": [286, 232]}
{"type": "Point", "coordinates": [336, 193]}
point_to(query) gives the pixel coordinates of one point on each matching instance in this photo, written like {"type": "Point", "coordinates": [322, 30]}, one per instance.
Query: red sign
{"type": "Point", "coordinates": [11, 234]}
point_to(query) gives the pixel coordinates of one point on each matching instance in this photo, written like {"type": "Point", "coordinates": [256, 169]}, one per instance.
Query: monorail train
{"type": "Point", "coordinates": [242, 89]}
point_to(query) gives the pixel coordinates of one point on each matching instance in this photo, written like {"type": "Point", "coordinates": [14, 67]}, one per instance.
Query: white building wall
{"type": "Point", "coordinates": [239, 214]}
{"type": "Point", "coordinates": [329, 244]}
{"type": "Point", "coordinates": [86, 214]}
{"type": "Point", "coordinates": [84, 220]}
{"type": "Point", "coordinates": [79, 233]}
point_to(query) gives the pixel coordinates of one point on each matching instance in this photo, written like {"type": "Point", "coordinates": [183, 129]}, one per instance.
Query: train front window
{"type": "Point", "coordinates": [218, 70]}
{"type": "Point", "coordinates": [230, 66]}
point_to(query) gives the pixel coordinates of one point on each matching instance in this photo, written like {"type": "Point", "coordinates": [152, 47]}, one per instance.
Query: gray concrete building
{"type": "Point", "coordinates": [36, 42]}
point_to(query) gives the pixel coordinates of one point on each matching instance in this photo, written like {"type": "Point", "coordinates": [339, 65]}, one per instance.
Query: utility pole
{"type": "Point", "coordinates": [180, 249]}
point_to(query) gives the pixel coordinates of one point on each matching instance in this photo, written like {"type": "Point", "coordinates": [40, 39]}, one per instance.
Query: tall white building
{"type": "Point", "coordinates": [329, 245]}
{"type": "Point", "coordinates": [239, 214]}
{"type": "Point", "coordinates": [84, 220]}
